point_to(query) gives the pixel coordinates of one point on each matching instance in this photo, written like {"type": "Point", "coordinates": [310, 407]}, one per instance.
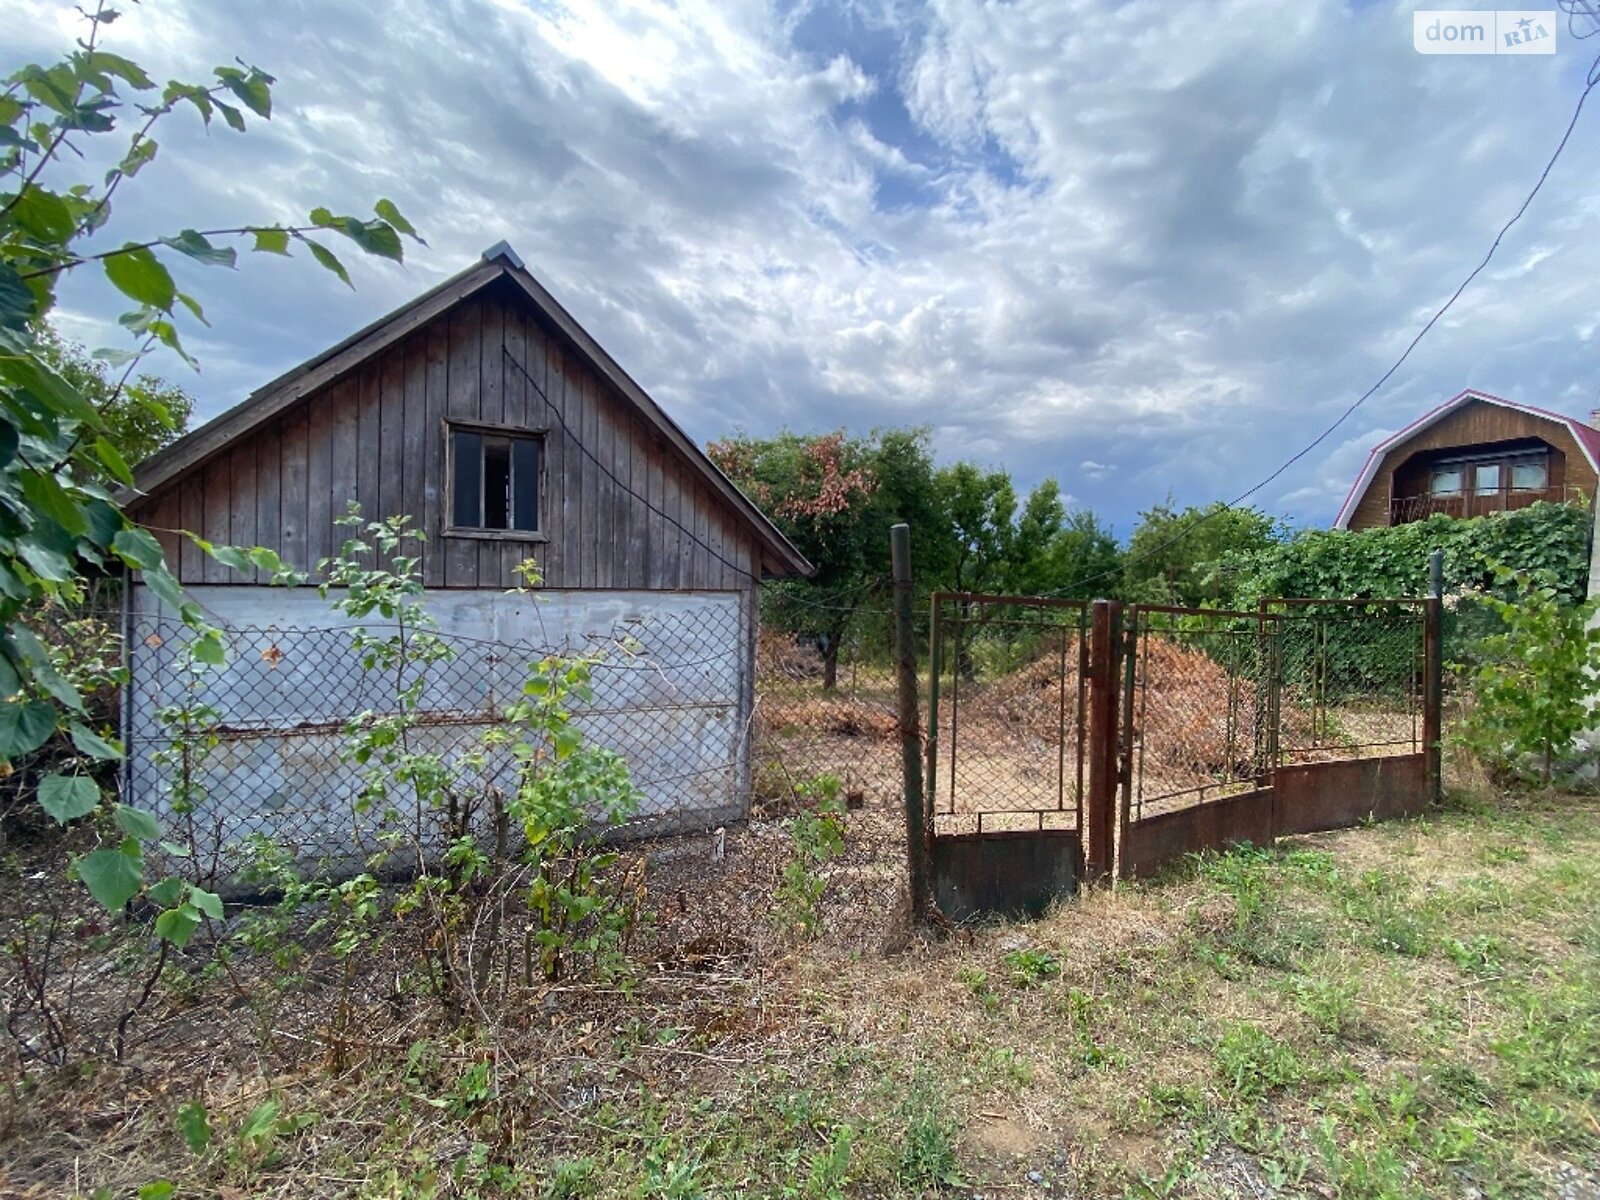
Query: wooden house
{"type": "Point", "coordinates": [1474, 455]}
{"type": "Point", "coordinates": [486, 413]}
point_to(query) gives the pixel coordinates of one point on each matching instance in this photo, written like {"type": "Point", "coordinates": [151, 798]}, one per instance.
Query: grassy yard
{"type": "Point", "coordinates": [1404, 1010]}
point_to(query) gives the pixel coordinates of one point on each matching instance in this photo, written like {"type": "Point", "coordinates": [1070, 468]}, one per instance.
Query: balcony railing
{"type": "Point", "coordinates": [1478, 504]}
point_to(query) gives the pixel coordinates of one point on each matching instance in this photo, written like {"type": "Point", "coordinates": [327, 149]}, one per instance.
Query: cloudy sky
{"type": "Point", "coordinates": [1141, 246]}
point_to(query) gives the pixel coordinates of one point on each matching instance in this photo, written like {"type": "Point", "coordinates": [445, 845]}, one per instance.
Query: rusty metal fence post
{"type": "Point", "coordinates": [905, 653]}
{"type": "Point", "coordinates": [1433, 676]}
{"type": "Point", "coordinates": [1433, 695]}
{"type": "Point", "coordinates": [1100, 808]}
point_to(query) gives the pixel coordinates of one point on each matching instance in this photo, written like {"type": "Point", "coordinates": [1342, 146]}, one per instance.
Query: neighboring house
{"type": "Point", "coordinates": [1473, 455]}
{"type": "Point", "coordinates": [486, 413]}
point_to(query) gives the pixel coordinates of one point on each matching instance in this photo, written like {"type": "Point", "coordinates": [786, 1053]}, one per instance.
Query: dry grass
{"type": "Point", "coordinates": [1402, 1011]}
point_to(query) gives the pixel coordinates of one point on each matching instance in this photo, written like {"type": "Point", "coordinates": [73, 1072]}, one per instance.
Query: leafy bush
{"type": "Point", "coordinates": [1393, 562]}
{"type": "Point", "coordinates": [68, 428]}
{"type": "Point", "coordinates": [564, 793]}
{"type": "Point", "coordinates": [1534, 681]}
{"type": "Point", "coordinates": [818, 837]}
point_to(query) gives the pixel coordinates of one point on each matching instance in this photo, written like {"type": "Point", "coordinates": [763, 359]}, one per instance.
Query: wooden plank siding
{"type": "Point", "coordinates": [269, 483]}
{"type": "Point", "coordinates": [1474, 424]}
{"type": "Point", "coordinates": [613, 494]}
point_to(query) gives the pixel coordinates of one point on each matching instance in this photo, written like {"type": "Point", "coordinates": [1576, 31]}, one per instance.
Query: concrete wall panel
{"type": "Point", "coordinates": [670, 695]}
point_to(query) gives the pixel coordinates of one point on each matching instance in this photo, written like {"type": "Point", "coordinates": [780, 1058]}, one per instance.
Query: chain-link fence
{"type": "Point", "coordinates": [1215, 701]}
{"type": "Point", "coordinates": [1351, 678]}
{"type": "Point", "coordinates": [769, 766]}
{"type": "Point", "coordinates": [1197, 705]}
{"type": "Point", "coordinates": [1241, 727]}
{"type": "Point", "coordinates": [827, 738]}
{"type": "Point", "coordinates": [274, 748]}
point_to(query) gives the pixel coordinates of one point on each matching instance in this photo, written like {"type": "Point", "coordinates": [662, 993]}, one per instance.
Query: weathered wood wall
{"type": "Point", "coordinates": [376, 436]}
{"type": "Point", "coordinates": [1473, 424]}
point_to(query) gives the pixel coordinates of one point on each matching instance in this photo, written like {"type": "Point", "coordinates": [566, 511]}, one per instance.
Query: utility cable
{"type": "Point", "coordinates": [1078, 585]}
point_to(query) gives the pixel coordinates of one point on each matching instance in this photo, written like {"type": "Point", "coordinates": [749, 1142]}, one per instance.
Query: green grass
{"type": "Point", "coordinates": [1401, 1011]}
{"type": "Point", "coordinates": [1408, 1010]}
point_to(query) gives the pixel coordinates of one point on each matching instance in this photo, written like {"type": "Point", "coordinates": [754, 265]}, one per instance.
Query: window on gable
{"type": "Point", "coordinates": [494, 480]}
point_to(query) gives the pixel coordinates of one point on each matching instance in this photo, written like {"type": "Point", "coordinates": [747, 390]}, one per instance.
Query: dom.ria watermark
{"type": "Point", "coordinates": [1484, 31]}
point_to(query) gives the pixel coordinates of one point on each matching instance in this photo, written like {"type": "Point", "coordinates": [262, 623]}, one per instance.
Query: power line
{"type": "Point", "coordinates": [571, 437]}
{"type": "Point", "coordinates": [566, 431]}
{"type": "Point", "coordinates": [1590, 84]}
{"type": "Point", "coordinates": [789, 597]}
{"type": "Point", "coordinates": [1577, 9]}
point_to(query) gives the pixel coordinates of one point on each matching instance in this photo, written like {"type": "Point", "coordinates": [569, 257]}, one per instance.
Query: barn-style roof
{"type": "Point", "coordinates": [1588, 440]}
{"type": "Point", "coordinates": [499, 262]}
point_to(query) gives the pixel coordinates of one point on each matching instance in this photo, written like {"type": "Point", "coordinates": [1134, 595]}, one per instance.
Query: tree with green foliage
{"type": "Point", "coordinates": [1181, 557]}
{"type": "Point", "coordinates": [835, 498]}
{"type": "Point", "coordinates": [59, 519]}
{"type": "Point", "coordinates": [1083, 561]}
{"type": "Point", "coordinates": [979, 509]}
{"type": "Point", "coordinates": [1035, 550]}
{"type": "Point", "coordinates": [142, 414]}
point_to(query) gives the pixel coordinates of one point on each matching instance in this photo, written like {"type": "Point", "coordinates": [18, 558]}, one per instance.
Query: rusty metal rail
{"type": "Point", "coordinates": [1146, 732]}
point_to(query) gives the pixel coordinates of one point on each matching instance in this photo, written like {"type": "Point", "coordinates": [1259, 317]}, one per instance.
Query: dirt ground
{"type": "Point", "coordinates": [1010, 748]}
{"type": "Point", "coordinates": [1402, 1011]}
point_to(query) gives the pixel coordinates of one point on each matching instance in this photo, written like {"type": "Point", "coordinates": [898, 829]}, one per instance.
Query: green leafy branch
{"type": "Point", "coordinates": [59, 523]}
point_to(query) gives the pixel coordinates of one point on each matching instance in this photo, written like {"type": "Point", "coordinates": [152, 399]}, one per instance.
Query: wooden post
{"type": "Point", "coordinates": [1436, 573]}
{"type": "Point", "coordinates": [905, 652]}
{"type": "Point", "coordinates": [1100, 810]}
{"type": "Point", "coordinates": [1433, 695]}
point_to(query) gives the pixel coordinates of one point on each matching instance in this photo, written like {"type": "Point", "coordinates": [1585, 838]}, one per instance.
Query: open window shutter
{"type": "Point", "coordinates": [525, 483]}
{"type": "Point", "coordinates": [466, 509]}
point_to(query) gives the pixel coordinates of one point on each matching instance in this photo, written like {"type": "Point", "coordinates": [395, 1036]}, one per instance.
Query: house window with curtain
{"type": "Point", "coordinates": [495, 482]}
{"type": "Point", "coordinates": [1529, 476]}
{"type": "Point", "coordinates": [1490, 474]}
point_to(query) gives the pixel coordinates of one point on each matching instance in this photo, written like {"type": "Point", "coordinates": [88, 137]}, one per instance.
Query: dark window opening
{"type": "Point", "coordinates": [495, 481]}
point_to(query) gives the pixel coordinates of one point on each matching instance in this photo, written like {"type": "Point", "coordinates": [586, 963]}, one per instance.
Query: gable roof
{"type": "Point", "coordinates": [499, 262]}
{"type": "Point", "coordinates": [1588, 440]}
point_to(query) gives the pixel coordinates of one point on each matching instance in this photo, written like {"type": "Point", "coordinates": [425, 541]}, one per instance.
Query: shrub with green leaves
{"type": "Point", "coordinates": [1393, 562]}
{"type": "Point", "coordinates": [817, 835]}
{"type": "Point", "coordinates": [1534, 683]}
{"type": "Point", "coordinates": [450, 813]}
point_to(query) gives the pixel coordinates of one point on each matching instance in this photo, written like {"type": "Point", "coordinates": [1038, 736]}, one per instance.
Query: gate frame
{"type": "Point", "coordinates": [1417, 775]}
{"type": "Point", "coordinates": [981, 872]}
{"type": "Point", "coordinates": [936, 637]}
{"type": "Point", "coordinates": [1400, 785]}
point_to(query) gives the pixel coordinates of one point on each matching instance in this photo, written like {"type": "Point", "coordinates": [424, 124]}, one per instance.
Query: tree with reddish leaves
{"type": "Point", "coordinates": [835, 498]}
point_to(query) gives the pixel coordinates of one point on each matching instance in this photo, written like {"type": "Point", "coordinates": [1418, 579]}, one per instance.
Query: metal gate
{"type": "Point", "coordinates": [1242, 727]}
{"type": "Point", "coordinates": [1198, 734]}
{"type": "Point", "coordinates": [1070, 740]}
{"type": "Point", "coordinates": [1006, 768]}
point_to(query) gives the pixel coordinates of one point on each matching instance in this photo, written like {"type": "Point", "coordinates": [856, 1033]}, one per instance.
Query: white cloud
{"type": "Point", "coordinates": [1176, 238]}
